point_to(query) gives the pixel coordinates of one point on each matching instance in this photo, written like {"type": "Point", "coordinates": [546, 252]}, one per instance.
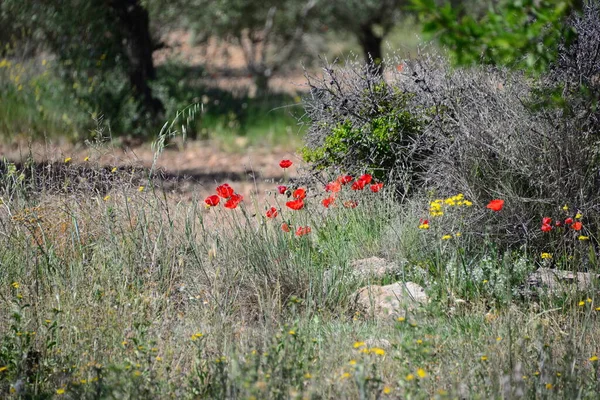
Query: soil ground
{"type": "Point", "coordinates": [191, 172]}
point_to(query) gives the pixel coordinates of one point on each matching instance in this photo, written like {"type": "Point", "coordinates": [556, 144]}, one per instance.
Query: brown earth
{"type": "Point", "coordinates": [191, 172]}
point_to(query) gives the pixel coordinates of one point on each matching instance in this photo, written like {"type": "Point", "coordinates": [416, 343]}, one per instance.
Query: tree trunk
{"type": "Point", "coordinates": [134, 24]}
{"type": "Point", "coordinates": [261, 80]}
{"type": "Point", "coordinates": [371, 44]}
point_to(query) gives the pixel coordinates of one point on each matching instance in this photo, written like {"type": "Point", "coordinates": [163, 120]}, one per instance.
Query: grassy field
{"type": "Point", "coordinates": [111, 289]}
{"type": "Point", "coordinates": [38, 105]}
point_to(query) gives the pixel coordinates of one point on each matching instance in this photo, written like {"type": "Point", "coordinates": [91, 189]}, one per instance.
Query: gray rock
{"type": "Point", "coordinates": [556, 280]}
{"type": "Point", "coordinates": [374, 267]}
{"type": "Point", "coordinates": [390, 301]}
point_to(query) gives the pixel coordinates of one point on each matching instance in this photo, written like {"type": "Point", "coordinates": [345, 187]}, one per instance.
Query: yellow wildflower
{"type": "Point", "coordinates": [484, 358]}
{"type": "Point", "coordinates": [467, 203]}
{"type": "Point", "coordinates": [307, 375]}
{"type": "Point", "coordinates": [565, 208]}
{"type": "Point", "coordinates": [582, 237]}
{"type": "Point", "coordinates": [68, 160]}
{"type": "Point", "coordinates": [141, 189]}
{"type": "Point", "coordinates": [86, 159]}
{"type": "Point", "coordinates": [2, 369]}
{"type": "Point", "coordinates": [60, 391]}
{"type": "Point", "coordinates": [579, 215]}
{"type": "Point", "coordinates": [446, 237]}
{"type": "Point", "coordinates": [107, 197]}
{"type": "Point", "coordinates": [358, 345]}
{"type": "Point", "coordinates": [158, 358]}
{"type": "Point", "coordinates": [409, 377]}
{"type": "Point", "coordinates": [113, 170]}
{"type": "Point", "coordinates": [546, 255]}
{"type": "Point", "coordinates": [346, 375]}
{"type": "Point", "coordinates": [458, 234]}
{"type": "Point", "coordinates": [196, 336]}
{"type": "Point", "coordinates": [292, 332]}
{"type": "Point", "coordinates": [377, 350]}
{"type": "Point", "coordinates": [593, 358]}
{"type": "Point", "coordinates": [421, 373]}
{"type": "Point", "coordinates": [548, 386]}
{"type": "Point", "coordinates": [387, 390]}
{"type": "Point", "coordinates": [16, 285]}
{"type": "Point", "coordinates": [401, 319]}
{"type": "Point", "coordinates": [450, 201]}
{"type": "Point", "coordinates": [352, 362]}
{"type": "Point", "coordinates": [581, 303]}
{"type": "Point", "coordinates": [424, 226]}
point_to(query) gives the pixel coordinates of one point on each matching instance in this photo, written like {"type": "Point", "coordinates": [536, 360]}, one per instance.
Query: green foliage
{"type": "Point", "coordinates": [517, 33]}
{"type": "Point", "coordinates": [88, 47]}
{"type": "Point", "coordinates": [377, 147]}
{"type": "Point", "coordinates": [372, 128]}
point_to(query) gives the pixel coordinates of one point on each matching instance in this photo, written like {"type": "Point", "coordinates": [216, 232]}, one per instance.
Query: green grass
{"type": "Point", "coordinates": [37, 104]}
{"type": "Point", "coordinates": [126, 293]}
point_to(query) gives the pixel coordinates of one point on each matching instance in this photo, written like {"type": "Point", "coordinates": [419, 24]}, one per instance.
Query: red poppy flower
{"type": "Point", "coordinates": [367, 178]}
{"type": "Point", "coordinates": [376, 187]}
{"type": "Point", "coordinates": [577, 225]}
{"type": "Point", "coordinates": [295, 204]}
{"type": "Point", "coordinates": [281, 189]}
{"type": "Point", "coordinates": [495, 205]}
{"type": "Point", "coordinates": [569, 221]}
{"type": "Point", "coordinates": [423, 221]}
{"type": "Point", "coordinates": [546, 228]}
{"type": "Point", "coordinates": [350, 204]}
{"type": "Point", "coordinates": [558, 224]}
{"type": "Point", "coordinates": [344, 179]}
{"type": "Point", "coordinates": [299, 193]}
{"type": "Point", "coordinates": [225, 191]}
{"type": "Point", "coordinates": [399, 67]}
{"type": "Point", "coordinates": [358, 185]}
{"type": "Point", "coordinates": [333, 187]}
{"type": "Point", "coordinates": [546, 221]}
{"type": "Point", "coordinates": [302, 230]}
{"type": "Point", "coordinates": [212, 200]}
{"type": "Point", "coordinates": [285, 227]}
{"type": "Point", "coordinates": [233, 201]}
{"type": "Point", "coordinates": [285, 164]}
{"type": "Point", "coordinates": [328, 201]}
{"type": "Point", "coordinates": [272, 212]}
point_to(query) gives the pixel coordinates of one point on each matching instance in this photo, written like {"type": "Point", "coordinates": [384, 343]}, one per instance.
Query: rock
{"type": "Point", "coordinates": [390, 301]}
{"type": "Point", "coordinates": [556, 280]}
{"type": "Point", "coordinates": [374, 267]}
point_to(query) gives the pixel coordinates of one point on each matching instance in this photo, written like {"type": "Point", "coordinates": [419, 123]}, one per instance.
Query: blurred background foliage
{"type": "Point", "coordinates": [66, 69]}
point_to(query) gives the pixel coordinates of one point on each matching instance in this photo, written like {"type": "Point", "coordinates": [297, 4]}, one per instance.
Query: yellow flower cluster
{"type": "Point", "coordinates": [436, 206]}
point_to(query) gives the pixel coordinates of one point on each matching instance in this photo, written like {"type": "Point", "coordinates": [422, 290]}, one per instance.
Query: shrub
{"type": "Point", "coordinates": [482, 131]}
{"type": "Point", "coordinates": [361, 122]}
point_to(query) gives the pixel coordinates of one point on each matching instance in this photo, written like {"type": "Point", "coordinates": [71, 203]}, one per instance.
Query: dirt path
{"type": "Point", "coordinates": [193, 172]}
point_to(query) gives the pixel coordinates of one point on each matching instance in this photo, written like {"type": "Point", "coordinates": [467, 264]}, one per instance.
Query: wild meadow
{"type": "Point", "coordinates": [115, 291]}
{"type": "Point", "coordinates": [435, 237]}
